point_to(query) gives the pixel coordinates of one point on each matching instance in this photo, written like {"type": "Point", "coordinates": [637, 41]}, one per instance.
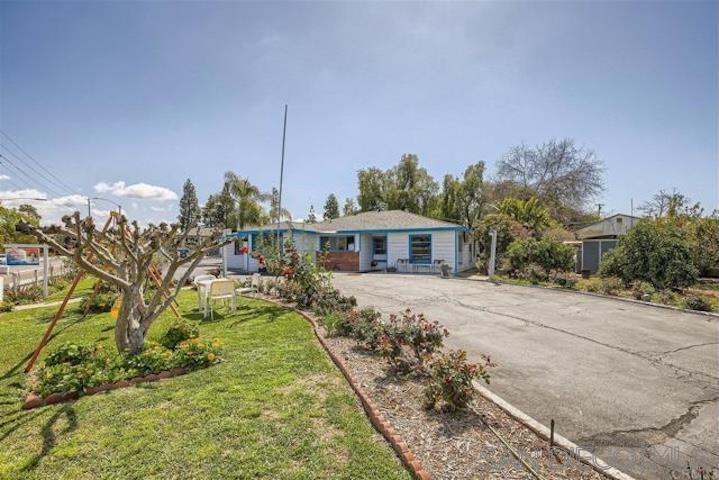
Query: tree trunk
{"type": "Point", "coordinates": [129, 333]}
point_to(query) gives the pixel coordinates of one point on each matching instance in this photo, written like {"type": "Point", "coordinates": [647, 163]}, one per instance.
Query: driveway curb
{"type": "Point", "coordinates": [599, 295]}
{"type": "Point", "coordinates": [581, 454]}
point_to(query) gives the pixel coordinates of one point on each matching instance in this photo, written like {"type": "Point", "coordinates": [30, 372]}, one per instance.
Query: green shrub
{"type": "Point", "coordinates": [451, 379]}
{"type": "Point", "coordinates": [653, 252]}
{"type": "Point", "coordinates": [329, 301]}
{"type": "Point", "coordinates": [408, 340]}
{"type": "Point", "coordinates": [98, 303]}
{"type": "Point", "coordinates": [24, 294]}
{"type": "Point", "coordinates": [179, 331]}
{"type": "Point", "coordinates": [695, 302]}
{"type": "Point", "coordinates": [70, 353]}
{"type": "Point", "coordinates": [564, 280]}
{"type": "Point", "coordinates": [611, 286]}
{"type": "Point", "coordinates": [545, 253]}
{"type": "Point", "coordinates": [533, 273]}
{"type": "Point", "coordinates": [78, 367]}
{"type": "Point", "coordinates": [367, 327]}
{"type": "Point", "coordinates": [6, 307]}
{"type": "Point", "coordinates": [338, 324]}
{"type": "Point", "coordinates": [643, 290]}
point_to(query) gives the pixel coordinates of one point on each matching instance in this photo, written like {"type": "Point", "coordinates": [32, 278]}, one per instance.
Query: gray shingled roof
{"type": "Point", "coordinates": [384, 220]}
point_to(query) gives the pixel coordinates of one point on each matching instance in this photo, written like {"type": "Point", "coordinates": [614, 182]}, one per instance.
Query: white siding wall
{"type": "Point", "coordinates": [365, 252]}
{"type": "Point", "coordinates": [305, 243]}
{"type": "Point", "coordinates": [465, 262]}
{"type": "Point", "coordinates": [443, 246]}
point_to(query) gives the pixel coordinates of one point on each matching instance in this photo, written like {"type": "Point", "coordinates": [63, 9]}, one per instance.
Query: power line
{"type": "Point", "coordinates": [10, 180]}
{"type": "Point", "coordinates": [51, 185]}
{"type": "Point", "coordinates": [7, 161]}
{"type": "Point", "coordinates": [59, 181]}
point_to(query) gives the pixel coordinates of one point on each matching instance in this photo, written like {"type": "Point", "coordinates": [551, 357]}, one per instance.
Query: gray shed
{"type": "Point", "coordinates": [600, 237]}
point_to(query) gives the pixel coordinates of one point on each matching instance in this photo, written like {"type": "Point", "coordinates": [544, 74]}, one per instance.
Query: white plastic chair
{"type": "Point", "coordinates": [223, 289]}
{"type": "Point", "coordinates": [200, 293]}
{"type": "Point", "coordinates": [254, 285]}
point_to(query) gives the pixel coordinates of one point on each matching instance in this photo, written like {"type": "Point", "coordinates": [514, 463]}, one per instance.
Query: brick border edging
{"type": "Point", "coordinates": [378, 421]}
{"type": "Point", "coordinates": [33, 400]}
{"type": "Point", "coordinates": [599, 295]}
{"type": "Point", "coordinates": [577, 452]}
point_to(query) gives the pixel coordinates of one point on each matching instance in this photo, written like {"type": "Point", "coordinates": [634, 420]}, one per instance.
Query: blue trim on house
{"type": "Point", "coordinates": [409, 249]}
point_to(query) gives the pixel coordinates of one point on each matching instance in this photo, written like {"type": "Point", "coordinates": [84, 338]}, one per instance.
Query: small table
{"type": "Point", "coordinates": [203, 290]}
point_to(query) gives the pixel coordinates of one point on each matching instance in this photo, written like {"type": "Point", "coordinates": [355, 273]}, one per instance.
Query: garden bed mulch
{"type": "Point", "coordinates": [456, 445]}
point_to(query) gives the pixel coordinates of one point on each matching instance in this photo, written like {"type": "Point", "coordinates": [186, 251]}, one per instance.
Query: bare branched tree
{"type": "Point", "coordinates": [122, 256]}
{"type": "Point", "coordinates": [559, 172]}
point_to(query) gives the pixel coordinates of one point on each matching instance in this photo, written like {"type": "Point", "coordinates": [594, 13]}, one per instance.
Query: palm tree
{"type": "Point", "coordinates": [247, 198]}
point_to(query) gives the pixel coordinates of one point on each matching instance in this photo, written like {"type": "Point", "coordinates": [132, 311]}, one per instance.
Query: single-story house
{"type": "Point", "coordinates": [600, 237]}
{"type": "Point", "coordinates": [392, 240]}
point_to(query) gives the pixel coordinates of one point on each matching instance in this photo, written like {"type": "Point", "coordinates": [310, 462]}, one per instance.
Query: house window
{"type": "Point", "coordinates": [379, 245]}
{"type": "Point", "coordinates": [344, 243]}
{"type": "Point", "coordinates": [266, 241]}
{"type": "Point", "coordinates": [420, 248]}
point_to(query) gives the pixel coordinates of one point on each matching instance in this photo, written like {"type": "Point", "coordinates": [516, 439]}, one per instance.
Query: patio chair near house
{"type": "Point", "coordinates": [224, 290]}
{"type": "Point", "coordinates": [254, 285]}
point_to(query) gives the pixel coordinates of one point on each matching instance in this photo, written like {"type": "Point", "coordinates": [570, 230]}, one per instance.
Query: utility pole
{"type": "Point", "coordinates": [282, 171]}
{"type": "Point", "coordinates": [599, 209]}
{"type": "Point", "coordinates": [492, 254]}
{"type": "Point", "coordinates": [89, 213]}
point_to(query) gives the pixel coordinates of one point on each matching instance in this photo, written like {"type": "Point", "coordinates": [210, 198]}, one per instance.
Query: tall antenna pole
{"type": "Point", "coordinates": [282, 171]}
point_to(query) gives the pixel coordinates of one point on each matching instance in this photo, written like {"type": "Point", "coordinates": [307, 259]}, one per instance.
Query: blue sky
{"type": "Point", "coordinates": [156, 92]}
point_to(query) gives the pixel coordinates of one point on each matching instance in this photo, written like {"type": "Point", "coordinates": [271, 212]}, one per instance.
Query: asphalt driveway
{"type": "Point", "coordinates": [637, 385]}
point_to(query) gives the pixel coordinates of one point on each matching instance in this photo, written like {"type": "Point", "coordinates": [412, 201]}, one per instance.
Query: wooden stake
{"type": "Point", "coordinates": [59, 312]}
{"type": "Point", "coordinates": [57, 316]}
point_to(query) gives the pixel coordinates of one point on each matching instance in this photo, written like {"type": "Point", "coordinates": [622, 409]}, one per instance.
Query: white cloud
{"type": "Point", "coordinates": [50, 209]}
{"type": "Point", "coordinates": [137, 190]}
{"type": "Point", "coordinates": [157, 209]}
{"type": "Point", "coordinates": [4, 177]}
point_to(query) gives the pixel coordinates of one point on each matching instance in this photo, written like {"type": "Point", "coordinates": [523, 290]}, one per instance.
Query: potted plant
{"type": "Point", "coordinates": [445, 270]}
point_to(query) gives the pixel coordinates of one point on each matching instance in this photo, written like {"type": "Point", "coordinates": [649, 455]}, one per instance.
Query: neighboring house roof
{"type": "Point", "coordinates": [387, 220]}
{"type": "Point", "coordinates": [609, 227]}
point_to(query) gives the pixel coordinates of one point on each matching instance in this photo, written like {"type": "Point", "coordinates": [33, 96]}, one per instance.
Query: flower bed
{"type": "Point", "coordinates": [74, 370]}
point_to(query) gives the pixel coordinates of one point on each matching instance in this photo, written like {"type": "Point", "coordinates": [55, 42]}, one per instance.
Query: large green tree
{"type": "Point", "coordinates": [406, 186]}
{"type": "Point", "coordinates": [349, 208]}
{"type": "Point", "coordinates": [190, 213]}
{"type": "Point", "coordinates": [247, 201]}
{"type": "Point", "coordinates": [332, 208]}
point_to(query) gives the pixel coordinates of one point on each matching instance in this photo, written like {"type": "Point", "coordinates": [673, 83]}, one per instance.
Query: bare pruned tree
{"type": "Point", "coordinates": [559, 172]}
{"type": "Point", "coordinates": [122, 255]}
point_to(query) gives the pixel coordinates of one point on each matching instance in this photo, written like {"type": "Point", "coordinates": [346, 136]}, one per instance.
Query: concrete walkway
{"type": "Point", "coordinates": [635, 384]}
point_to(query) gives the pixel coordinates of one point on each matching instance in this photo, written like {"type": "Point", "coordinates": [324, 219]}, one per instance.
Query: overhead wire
{"type": "Point", "coordinates": [56, 180]}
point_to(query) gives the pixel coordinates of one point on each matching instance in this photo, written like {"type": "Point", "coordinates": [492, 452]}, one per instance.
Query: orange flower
{"type": "Point", "coordinates": [210, 356]}
{"type": "Point", "coordinates": [196, 340]}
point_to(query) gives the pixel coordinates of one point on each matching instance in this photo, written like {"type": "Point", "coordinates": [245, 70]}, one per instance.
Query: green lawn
{"type": "Point", "coordinates": [275, 408]}
{"type": "Point", "coordinates": [83, 288]}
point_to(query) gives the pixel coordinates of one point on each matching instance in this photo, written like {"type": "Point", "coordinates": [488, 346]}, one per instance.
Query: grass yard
{"type": "Point", "coordinates": [275, 408]}
{"type": "Point", "coordinates": [83, 288]}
